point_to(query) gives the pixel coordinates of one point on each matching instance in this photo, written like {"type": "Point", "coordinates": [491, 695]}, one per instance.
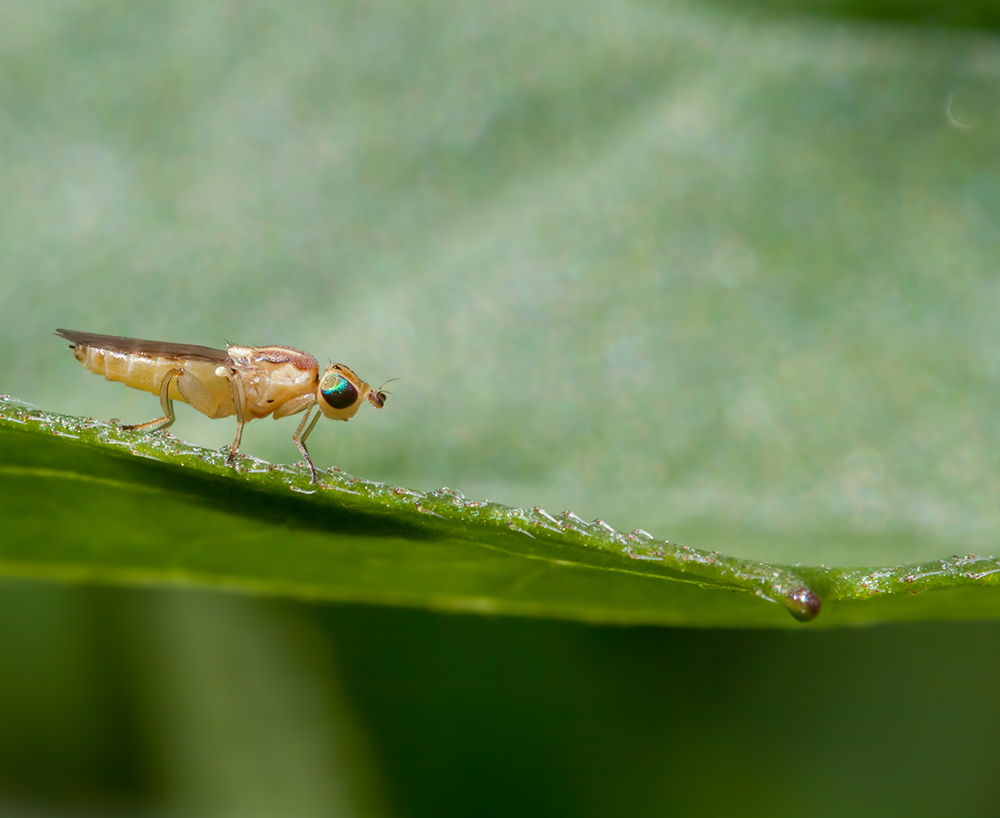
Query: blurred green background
{"type": "Point", "coordinates": [728, 277]}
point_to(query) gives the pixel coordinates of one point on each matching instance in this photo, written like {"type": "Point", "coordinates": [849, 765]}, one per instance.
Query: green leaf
{"type": "Point", "coordinates": [85, 500]}
{"type": "Point", "coordinates": [725, 278]}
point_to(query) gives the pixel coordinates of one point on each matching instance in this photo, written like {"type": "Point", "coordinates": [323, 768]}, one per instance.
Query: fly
{"type": "Point", "coordinates": [249, 382]}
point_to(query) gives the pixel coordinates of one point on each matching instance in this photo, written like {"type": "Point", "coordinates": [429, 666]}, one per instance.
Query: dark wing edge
{"type": "Point", "coordinates": [120, 343]}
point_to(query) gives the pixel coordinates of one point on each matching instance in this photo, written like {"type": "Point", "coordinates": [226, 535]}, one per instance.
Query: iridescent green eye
{"type": "Point", "coordinates": [339, 392]}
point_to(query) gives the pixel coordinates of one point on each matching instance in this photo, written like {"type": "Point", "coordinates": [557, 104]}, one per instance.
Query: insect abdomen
{"type": "Point", "coordinates": [138, 371]}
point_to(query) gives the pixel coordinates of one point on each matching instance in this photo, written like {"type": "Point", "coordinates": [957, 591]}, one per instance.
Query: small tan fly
{"type": "Point", "coordinates": [249, 382]}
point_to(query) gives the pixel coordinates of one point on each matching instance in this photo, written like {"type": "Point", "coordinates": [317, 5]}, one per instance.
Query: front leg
{"type": "Point", "coordinates": [302, 402]}
{"type": "Point", "coordinates": [299, 439]}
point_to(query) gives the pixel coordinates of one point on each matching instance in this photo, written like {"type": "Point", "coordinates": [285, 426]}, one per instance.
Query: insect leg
{"type": "Point", "coordinates": [240, 400]}
{"type": "Point", "coordinates": [299, 439]}
{"type": "Point", "coordinates": [165, 402]}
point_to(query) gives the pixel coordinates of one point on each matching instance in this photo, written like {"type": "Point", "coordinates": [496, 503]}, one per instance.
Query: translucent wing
{"type": "Point", "coordinates": [166, 349]}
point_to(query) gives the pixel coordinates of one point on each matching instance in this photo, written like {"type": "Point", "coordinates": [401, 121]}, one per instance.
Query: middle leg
{"type": "Point", "coordinates": [240, 400]}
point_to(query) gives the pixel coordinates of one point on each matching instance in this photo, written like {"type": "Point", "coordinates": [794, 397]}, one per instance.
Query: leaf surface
{"type": "Point", "coordinates": [86, 501]}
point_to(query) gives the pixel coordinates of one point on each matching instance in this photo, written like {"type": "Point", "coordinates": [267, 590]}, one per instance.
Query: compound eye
{"type": "Point", "coordinates": [337, 391]}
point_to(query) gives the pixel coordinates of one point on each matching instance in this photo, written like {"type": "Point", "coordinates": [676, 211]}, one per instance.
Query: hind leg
{"type": "Point", "coordinates": [165, 402]}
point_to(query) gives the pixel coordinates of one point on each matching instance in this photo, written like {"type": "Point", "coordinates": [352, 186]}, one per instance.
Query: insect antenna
{"type": "Point", "coordinates": [380, 389]}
